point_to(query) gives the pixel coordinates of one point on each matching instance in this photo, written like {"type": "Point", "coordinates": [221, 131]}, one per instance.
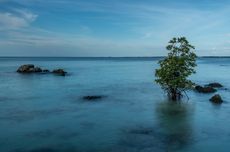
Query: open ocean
{"type": "Point", "coordinates": [46, 113]}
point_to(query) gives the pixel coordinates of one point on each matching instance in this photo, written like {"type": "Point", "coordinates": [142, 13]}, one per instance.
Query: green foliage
{"type": "Point", "coordinates": [176, 68]}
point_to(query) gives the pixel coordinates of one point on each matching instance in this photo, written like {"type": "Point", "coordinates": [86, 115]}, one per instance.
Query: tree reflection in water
{"type": "Point", "coordinates": [175, 124]}
{"type": "Point", "coordinates": [171, 130]}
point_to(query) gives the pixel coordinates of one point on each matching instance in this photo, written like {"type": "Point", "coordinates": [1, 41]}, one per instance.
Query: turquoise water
{"type": "Point", "coordinates": [46, 113]}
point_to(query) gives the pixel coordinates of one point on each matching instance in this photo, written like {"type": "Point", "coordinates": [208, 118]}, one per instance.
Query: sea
{"type": "Point", "coordinates": [47, 113]}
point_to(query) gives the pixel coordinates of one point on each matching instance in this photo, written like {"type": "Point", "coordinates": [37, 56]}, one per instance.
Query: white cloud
{"type": "Point", "coordinates": [27, 15]}
{"type": "Point", "coordinates": [16, 20]}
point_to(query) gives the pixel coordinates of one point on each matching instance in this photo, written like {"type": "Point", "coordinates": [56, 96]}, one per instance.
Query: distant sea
{"type": "Point", "coordinates": [46, 113]}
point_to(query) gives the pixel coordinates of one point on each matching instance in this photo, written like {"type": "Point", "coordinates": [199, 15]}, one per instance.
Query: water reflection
{"type": "Point", "coordinates": [175, 124]}
{"type": "Point", "coordinates": [170, 130]}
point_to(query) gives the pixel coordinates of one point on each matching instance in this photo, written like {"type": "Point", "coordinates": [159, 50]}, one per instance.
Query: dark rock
{"type": "Point", "coordinates": [27, 68]}
{"type": "Point", "coordinates": [37, 69]}
{"type": "Point", "coordinates": [205, 89]}
{"type": "Point", "coordinates": [60, 72]}
{"type": "Point", "coordinates": [215, 85]}
{"type": "Point", "coordinates": [92, 97]}
{"type": "Point", "coordinates": [45, 71]}
{"type": "Point", "coordinates": [216, 99]}
{"type": "Point", "coordinates": [208, 90]}
{"type": "Point", "coordinates": [198, 88]}
{"type": "Point", "coordinates": [30, 68]}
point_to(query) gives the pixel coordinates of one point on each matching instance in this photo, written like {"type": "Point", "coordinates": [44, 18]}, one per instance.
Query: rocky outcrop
{"type": "Point", "coordinates": [211, 88]}
{"type": "Point", "coordinates": [216, 99]}
{"type": "Point", "coordinates": [27, 68]}
{"type": "Point", "coordinates": [205, 89]}
{"type": "Point", "coordinates": [60, 72]}
{"type": "Point", "coordinates": [215, 85]}
{"type": "Point", "coordinates": [30, 68]}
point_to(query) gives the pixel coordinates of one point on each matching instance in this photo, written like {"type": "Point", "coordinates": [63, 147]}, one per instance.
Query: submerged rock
{"type": "Point", "coordinates": [216, 99]}
{"type": "Point", "coordinates": [215, 85]}
{"type": "Point", "coordinates": [27, 68]}
{"type": "Point", "coordinates": [60, 72]}
{"type": "Point", "coordinates": [92, 97]}
{"type": "Point", "coordinates": [205, 89]}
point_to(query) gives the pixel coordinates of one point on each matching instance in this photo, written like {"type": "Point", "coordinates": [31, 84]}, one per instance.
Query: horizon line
{"type": "Point", "coordinates": [104, 56]}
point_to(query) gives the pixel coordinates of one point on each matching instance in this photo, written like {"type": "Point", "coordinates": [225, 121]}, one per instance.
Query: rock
{"type": "Point", "coordinates": [215, 85]}
{"type": "Point", "coordinates": [59, 72]}
{"type": "Point", "coordinates": [27, 68]}
{"type": "Point", "coordinates": [45, 71]}
{"type": "Point", "coordinates": [92, 97]}
{"type": "Point", "coordinates": [37, 69]}
{"type": "Point", "coordinates": [30, 68]}
{"type": "Point", "coordinates": [205, 89]}
{"type": "Point", "coordinates": [198, 88]}
{"type": "Point", "coordinates": [216, 99]}
{"type": "Point", "coordinates": [208, 90]}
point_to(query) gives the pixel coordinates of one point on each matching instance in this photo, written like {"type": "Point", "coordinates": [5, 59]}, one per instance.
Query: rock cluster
{"type": "Point", "coordinates": [30, 68]}
{"type": "Point", "coordinates": [211, 88]}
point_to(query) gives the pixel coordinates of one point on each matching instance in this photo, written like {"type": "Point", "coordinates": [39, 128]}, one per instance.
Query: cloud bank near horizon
{"type": "Point", "coordinates": [111, 28]}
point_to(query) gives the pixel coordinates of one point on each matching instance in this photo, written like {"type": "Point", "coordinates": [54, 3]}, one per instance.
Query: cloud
{"type": "Point", "coordinates": [16, 19]}
{"type": "Point", "coordinates": [56, 44]}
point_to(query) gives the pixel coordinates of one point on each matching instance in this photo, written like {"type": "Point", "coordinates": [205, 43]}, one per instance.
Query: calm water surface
{"type": "Point", "coordinates": [46, 113]}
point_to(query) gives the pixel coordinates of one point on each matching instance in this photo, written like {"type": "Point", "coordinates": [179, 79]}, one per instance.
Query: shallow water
{"type": "Point", "coordinates": [46, 113]}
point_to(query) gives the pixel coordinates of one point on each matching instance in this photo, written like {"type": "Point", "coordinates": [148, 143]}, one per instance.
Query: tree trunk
{"type": "Point", "coordinates": [174, 94]}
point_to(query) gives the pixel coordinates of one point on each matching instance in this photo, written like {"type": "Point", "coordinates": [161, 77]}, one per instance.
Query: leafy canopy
{"type": "Point", "coordinates": [177, 66]}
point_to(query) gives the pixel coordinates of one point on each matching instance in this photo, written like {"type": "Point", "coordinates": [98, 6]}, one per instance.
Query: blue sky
{"type": "Point", "coordinates": [111, 27]}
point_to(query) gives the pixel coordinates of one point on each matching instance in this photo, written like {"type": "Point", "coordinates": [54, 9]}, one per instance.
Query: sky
{"type": "Point", "coordinates": [78, 28]}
